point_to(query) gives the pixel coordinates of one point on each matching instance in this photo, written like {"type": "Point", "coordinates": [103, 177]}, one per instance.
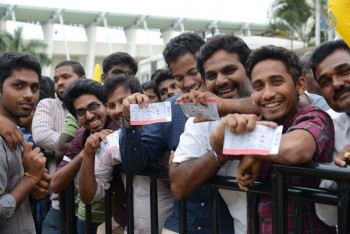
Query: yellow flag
{"type": "Point", "coordinates": [97, 73]}
{"type": "Point", "coordinates": [341, 11]}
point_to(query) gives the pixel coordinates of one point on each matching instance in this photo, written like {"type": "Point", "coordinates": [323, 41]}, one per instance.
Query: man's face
{"type": "Point", "coordinates": [115, 103]}
{"type": "Point", "coordinates": [333, 76]}
{"type": "Point", "coordinates": [225, 75]}
{"type": "Point", "coordinates": [186, 74]}
{"type": "Point", "coordinates": [19, 94]}
{"type": "Point", "coordinates": [274, 91]}
{"type": "Point", "coordinates": [64, 76]}
{"type": "Point", "coordinates": [168, 88]}
{"type": "Point", "coordinates": [95, 112]}
{"type": "Point", "coordinates": [119, 69]}
{"type": "Point", "coordinates": [151, 95]}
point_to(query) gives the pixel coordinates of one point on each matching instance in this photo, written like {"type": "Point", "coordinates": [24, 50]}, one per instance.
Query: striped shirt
{"type": "Point", "coordinates": [48, 122]}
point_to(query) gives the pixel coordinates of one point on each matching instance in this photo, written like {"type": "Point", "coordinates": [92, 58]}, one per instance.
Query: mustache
{"type": "Point", "coordinates": [340, 92]}
{"type": "Point", "coordinates": [27, 103]}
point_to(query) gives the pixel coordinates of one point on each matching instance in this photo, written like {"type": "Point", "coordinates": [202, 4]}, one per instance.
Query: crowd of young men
{"type": "Point", "coordinates": [261, 87]}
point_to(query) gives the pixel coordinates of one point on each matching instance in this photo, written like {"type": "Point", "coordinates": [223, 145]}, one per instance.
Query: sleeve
{"type": "Point", "coordinates": [74, 148]}
{"type": "Point", "coordinates": [7, 201]}
{"type": "Point", "coordinates": [71, 125]}
{"type": "Point", "coordinates": [314, 121]}
{"type": "Point", "coordinates": [43, 127]}
{"type": "Point", "coordinates": [105, 160]}
{"type": "Point", "coordinates": [194, 142]}
{"type": "Point", "coordinates": [138, 150]}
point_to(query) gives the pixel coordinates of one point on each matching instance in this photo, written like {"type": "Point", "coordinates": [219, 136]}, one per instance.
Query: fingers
{"type": "Point", "coordinates": [200, 120]}
{"type": "Point", "coordinates": [268, 124]}
{"type": "Point", "coordinates": [27, 146]}
{"type": "Point", "coordinates": [240, 123]}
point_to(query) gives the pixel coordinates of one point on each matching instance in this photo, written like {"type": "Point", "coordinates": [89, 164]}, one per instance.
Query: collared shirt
{"type": "Point", "coordinates": [71, 125]}
{"type": "Point", "coordinates": [313, 120]}
{"type": "Point", "coordinates": [13, 218]}
{"type": "Point", "coordinates": [140, 149]}
{"type": "Point", "coordinates": [47, 123]}
{"type": "Point", "coordinates": [328, 213]}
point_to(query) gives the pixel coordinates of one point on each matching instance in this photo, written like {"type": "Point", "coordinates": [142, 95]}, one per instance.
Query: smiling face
{"type": "Point", "coordinates": [93, 121]}
{"type": "Point", "coordinates": [274, 91]}
{"type": "Point", "coordinates": [115, 103]}
{"type": "Point", "coordinates": [186, 74]}
{"type": "Point", "coordinates": [168, 88]}
{"type": "Point", "coordinates": [333, 76]}
{"type": "Point", "coordinates": [225, 76]}
{"type": "Point", "coordinates": [19, 94]}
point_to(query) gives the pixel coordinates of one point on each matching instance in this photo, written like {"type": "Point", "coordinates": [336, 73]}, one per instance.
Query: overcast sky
{"type": "Point", "coordinates": [253, 11]}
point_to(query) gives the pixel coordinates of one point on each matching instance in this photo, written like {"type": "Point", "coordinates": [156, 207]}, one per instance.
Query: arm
{"type": "Point", "coordinates": [194, 161]}
{"type": "Point", "coordinates": [138, 150]}
{"type": "Point", "coordinates": [43, 128]}
{"type": "Point", "coordinates": [62, 146]}
{"type": "Point", "coordinates": [71, 125]}
{"type": "Point", "coordinates": [10, 133]}
{"type": "Point", "coordinates": [87, 180]}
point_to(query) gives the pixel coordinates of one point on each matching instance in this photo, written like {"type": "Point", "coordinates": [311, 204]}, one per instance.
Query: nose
{"type": "Point", "coordinates": [118, 110]}
{"type": "Point", "coordinates": [188, 83]}
{"type": "Point", "coordinates": [89, 115]}
{"type": "Point", "coordinates": [337, 82]}
{"type": "Point", "coordinates": [221, 80]}
{"type": "Point", "coordinates": [268, 93]}
{"type": "Point", "coordinates": [28, 93]}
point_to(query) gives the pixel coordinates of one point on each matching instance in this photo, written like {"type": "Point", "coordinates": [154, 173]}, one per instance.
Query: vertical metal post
{"type": "Point", "coordinates": [253, 220]}
{"type": "Point", "coordinates": [183, 216]}
{"type": "Point", "coordinates": [88, 219]}
{"type": "Point", "coordinates": [279, 202]}
{"type": "Point", "coordinates": [343, 207]}
{"type": "Point", "coordinates": [214, 211]}
{"type": "Point", "coordinates": [130, 203]}
{"type": "Point", "coordinates": [298, 211]}
{"type": "Point", "coordinates": [154, 205]}
{"type": "Point", "coordinates": [108, 209]}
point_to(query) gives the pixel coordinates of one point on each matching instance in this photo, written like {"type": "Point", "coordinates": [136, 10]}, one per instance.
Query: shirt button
{"type": "Point", "coordinates": [202, 204]}
{"type": "Point", "coordinates": [135, 149]}
{"type": "Point", "coordinates": [133, 131]}
{"type": "Point", "coordinates": [199, 228]}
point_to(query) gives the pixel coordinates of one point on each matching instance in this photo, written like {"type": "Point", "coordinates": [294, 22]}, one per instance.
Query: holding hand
{"type": "Point", "coordinates": [343, 157]}
{"type": "Point", "coordinates": [33, 161]}
{"type": "Point", "coordinates": [137, 98]}
{"type": "Point", "coordinates": [92, 144]}
{"type": "Point", "coordinates": [10, 132]}
{"type": "Point", "coordinates": [41, 190]}
{"type": "Point", "coordinates": [247, 172]}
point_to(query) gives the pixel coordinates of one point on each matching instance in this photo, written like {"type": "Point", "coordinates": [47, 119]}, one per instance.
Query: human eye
{"type": "Point", "coordinates": [257, 86]}
{"type": "Point", "coordinates": [179, 78]}
{"type": "Point", "coordinates": [276, 82]}
{"type": "Point", "coordinates": [163, 92]}
{"type": "Point", "coordinates": [210, 76]}
{"type": "Point", "coordinates": [35, 88]}
{"type": "Point", "coordinates": [229, 70]}
{"type": "Point", "coordinates": [324, 82]}
{"type": "Point", "coordinates": [111, 106]}
{"type": "Point", "coordinates": [93, 106]}
{"type": "Point", "coordinates": [193, 72]}
{"type": "Point", "coordinates": [345, 72]}
{"type": "Point", "coordinates": [80, 112]}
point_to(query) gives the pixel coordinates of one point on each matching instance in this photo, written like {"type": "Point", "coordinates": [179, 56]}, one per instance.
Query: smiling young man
{"type": "Point", "coordinates": [221, 61]}
{"type": "Point", "coordinates": [166, 84]}
{"type": "Point", "coordinates": [276, 81]}
{"type": "Point", "coordinates": [85, 101]}
{"type": "Point", "coordinates": [22, 169]}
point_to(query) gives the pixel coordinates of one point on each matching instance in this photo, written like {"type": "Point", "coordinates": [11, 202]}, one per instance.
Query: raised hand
{"type": "Point", "coordinates": [41, 190]}
{"type": "Point", "coordinates": [92, 144]}
{"type": "Point", "coordinates": [33, 160]}
{"type": "Point", "coordinates": [10, 132]}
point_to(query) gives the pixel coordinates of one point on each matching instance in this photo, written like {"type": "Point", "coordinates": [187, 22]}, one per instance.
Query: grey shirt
{"type": "Point", "coordinates": [13, 219]}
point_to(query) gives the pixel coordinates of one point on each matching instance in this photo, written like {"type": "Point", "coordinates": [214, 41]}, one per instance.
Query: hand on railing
{"type": "Point", "coordinates": [247, 172]}
{"type": "Point", "coordinates": [343, 157]}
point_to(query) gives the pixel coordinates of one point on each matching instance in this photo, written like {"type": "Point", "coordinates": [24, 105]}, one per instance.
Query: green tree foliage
{"type": "Point", "coordinates": [292, 18]}
{"type": "Point", "coordinates": [15, 42]}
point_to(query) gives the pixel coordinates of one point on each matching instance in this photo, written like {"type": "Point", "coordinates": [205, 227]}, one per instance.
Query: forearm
{"type": "Point", "coordinates": [187, 176]}
{"type": "Point", "coordinates": [22, 190]}
{"type": "Point", "coordinates": [61, 150]}
{"type": "Point", "coordinates": [64, 176]}
{"type": "Point", "coordinates": [87, 180]}
{"type": "Point", "coordinates": [240, 105]}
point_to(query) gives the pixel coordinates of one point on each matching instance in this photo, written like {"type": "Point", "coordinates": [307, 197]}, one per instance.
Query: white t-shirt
{"type": "Point", "coordinates": [194, 143]}
{"type": "Point", "coordinates": [105, 160]}
{"type": "Point", "coordinates": [341, 121]}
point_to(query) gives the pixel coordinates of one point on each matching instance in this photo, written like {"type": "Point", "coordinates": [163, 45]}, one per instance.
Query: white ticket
{"type": "Point", "coordinates": [209, 112]}
{"type": "Point", "coordinates": [262, 141]}
{"type": "Point", "coordinates": [154, 113]}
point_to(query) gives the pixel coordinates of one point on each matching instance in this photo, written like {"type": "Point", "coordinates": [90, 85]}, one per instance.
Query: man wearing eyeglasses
{"type": "Point", "coordinates": [84, 99]}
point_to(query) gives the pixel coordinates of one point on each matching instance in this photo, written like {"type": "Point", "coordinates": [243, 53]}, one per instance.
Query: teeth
{"type": "Point", "coordinates": [194, 87]}
{"type": "Point", "coordinates": [92, 123]}
{"type": "Point", "coordinates": [271, 105]}
{"type": "Point", "coordinates": [225, 91]}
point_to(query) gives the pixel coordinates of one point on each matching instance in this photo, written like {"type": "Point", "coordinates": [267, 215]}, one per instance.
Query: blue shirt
{"type": "Point", "coordinates": [139, 149]}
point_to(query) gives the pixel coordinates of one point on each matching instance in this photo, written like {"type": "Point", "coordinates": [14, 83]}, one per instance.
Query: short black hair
{"type": "Point", "coordinates": [119, 58]}
{"type": "Point", "coordinates": [10, 61]}
{"type": "Point", "coordinates": [287, 57]}
{"type": "Point", "coordinates": [77, 67]}
{"type": "Point", "coordinates": [47, 88]}
{"type": "Point", "coordinates": [79, 88]}
{"type": "Point", "coordinates": [151, 85]}
{"type": "Point", "coordinates": [164, 74]}
{"type": "Point", "coordinates": [116, 80]}
{"type": "Point", "coordinates": [187, 42]}
{"type": "Point", "coordinates": [230, 43]}
{"type": "Point", "coordinates": [324, 50]}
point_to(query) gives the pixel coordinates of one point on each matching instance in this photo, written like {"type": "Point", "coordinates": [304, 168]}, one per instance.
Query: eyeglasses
{"type": "Point", "coordinates": [92, 108]}
{"type": "Point", "coordinates": [126, 73]}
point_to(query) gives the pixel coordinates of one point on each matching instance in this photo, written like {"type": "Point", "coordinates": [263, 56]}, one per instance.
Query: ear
{"type": "Point", "coordinates": [301, 85]}
{"type": "Point", "coordinates": [103, 77]}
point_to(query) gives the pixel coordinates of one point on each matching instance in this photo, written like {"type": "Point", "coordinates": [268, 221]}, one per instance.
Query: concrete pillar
{"type": "Point", "coordinates": [131, 35]}
{"type": "Point", "coordinates": [90, 58]}
{"type": "Point", "coordinates": [167, 35]}
{"type": "Point", "coordinates": [48, 37]}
